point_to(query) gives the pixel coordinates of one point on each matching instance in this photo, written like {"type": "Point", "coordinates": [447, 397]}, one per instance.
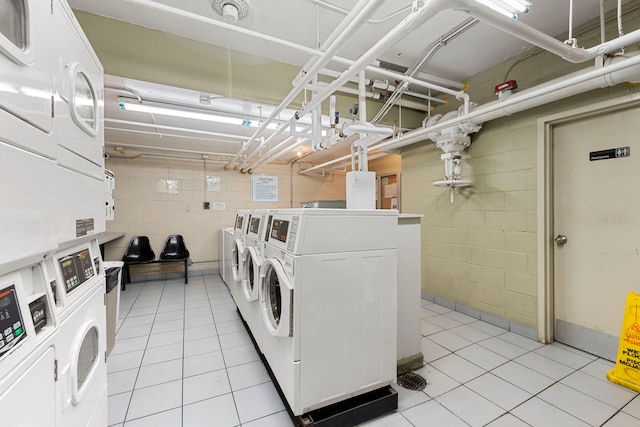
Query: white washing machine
{"type": "Point", "coordinates": [328, 301]}
{"type": "Point", "coordinates": [27, 153]}
{"type": "Point", "coordinates": [239, 243]}
{"type": "Point", "coordinates": [252, 259]}
{"type": "Point", "coordinates": [225, 250]}
{"type": "Point", "coordinates": [79, 130]}
{"type": "Point", "coordinates": [28, 328]}
{"type": "Point", "coordinates": [76, 278]}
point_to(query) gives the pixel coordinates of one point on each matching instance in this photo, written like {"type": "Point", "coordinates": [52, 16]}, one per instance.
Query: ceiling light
{"type": "Point", "coordinates": [508, 8]}
{"type": "Point", "coordinates": [187, 114]}
{"type": "Point", "coordinates": [299, 153]}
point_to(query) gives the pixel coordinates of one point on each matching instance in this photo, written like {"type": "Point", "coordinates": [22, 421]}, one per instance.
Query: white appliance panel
{"type": "Point", "coordinates": [80, 202]}
{"type": "Point", "coordinates": [26, 90]}
{"type": "Point", "coordinates": [28, 199]}
{"type": "Point", "coordinates": [82, 370]}
{"type": "Point", "coordinates": [79, 120]}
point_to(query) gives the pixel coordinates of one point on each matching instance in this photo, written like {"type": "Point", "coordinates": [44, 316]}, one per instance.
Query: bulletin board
{"type": "Point", "coordinates": [265, 188]}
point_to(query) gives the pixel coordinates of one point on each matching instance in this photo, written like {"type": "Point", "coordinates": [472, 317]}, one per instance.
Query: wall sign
{"type": "Point", "coordinates": [612, 153]}
{"type": "Point", "coordinates": [265, 188]}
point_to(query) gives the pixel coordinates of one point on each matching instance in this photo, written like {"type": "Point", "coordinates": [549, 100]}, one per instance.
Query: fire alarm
{"type": "Point", "coordinates": [510, 85]}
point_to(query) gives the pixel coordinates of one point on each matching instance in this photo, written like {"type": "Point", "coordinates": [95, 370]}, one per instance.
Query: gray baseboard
{"type": "Point", "coordinates": [500, 322]}
{"type": "Point", "coordinates": [594, 342]}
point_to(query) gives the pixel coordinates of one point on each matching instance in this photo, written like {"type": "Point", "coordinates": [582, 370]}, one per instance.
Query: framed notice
{"type": "Point", "coordinates": [265, 188]}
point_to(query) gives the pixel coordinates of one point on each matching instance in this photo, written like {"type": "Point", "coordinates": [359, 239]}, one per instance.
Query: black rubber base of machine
{"type": "Point", "coordinates": [352, 412]}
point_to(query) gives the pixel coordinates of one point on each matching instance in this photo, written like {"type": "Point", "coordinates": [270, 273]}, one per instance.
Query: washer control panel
{"type": "Point", "coordinates": [76, 269]}
{"type": "Point", "coordinates": [12, 330]}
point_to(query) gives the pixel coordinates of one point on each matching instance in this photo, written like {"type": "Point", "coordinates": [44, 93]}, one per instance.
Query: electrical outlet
{"type": "Point", "coordinates": [206, 206]}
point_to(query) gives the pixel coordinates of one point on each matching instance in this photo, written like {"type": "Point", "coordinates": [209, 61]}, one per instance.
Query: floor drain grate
{"type": "Point", "coordinates": [412, 381]}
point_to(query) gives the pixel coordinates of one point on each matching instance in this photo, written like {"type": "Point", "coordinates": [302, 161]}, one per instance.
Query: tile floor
{"type": "Point", "coordinates": [183, 358]}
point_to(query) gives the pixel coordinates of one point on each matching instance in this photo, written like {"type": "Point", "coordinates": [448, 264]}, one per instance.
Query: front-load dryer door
{"type": "Point", "coordinates": [236, 260]}
{"type": "Point", "coordinates": [85, 359]}
{"type": "Point", "coordinates": [276, 299]}
{"type": "Point", "coordinates": [251, 275]}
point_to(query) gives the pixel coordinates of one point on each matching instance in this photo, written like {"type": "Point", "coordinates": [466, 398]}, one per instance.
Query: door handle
{"type": "Point", "coordinates": [560, 239]}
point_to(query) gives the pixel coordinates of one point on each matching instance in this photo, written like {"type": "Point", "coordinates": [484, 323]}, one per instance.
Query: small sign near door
{"type": "Point", "coordinates": [612, 153]}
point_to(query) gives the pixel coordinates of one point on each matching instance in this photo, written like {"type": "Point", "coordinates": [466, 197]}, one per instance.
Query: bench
{"type": "Point", "coordinates": [139, 252]}
{"type": "Point", "coordinates": [127, 274]}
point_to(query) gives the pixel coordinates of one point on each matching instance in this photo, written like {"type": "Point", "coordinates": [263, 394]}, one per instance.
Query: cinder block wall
{"type": "Point", "coordinates": [142, 210]}
{"type": "Point", "coordinates": [481, 250]}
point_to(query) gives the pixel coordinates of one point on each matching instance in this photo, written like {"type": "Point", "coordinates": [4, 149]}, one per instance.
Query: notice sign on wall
{"type": "Point", "coordinates": [265, 188]}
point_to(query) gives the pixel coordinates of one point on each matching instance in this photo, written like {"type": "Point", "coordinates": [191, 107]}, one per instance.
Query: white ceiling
{"type": "Point", "coordinates": [307, 23]}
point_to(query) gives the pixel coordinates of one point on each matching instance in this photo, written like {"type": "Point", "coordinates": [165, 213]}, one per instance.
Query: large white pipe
{"type": "Point", "coordinates": [616, 70]}
{"type": "Point", "coordinates": [540, 39]}
{"type": "Point", "coordinates": [278, 155]}
{"type": "Point", "coordinates": [283, 145]}
{"type": "Point", "coordinates": [354, 21]}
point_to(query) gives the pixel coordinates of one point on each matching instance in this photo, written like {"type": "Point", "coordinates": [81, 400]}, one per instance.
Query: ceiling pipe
{"type": "Point", "coordinates": [115, 145]}
{"type": "Point", "coordinates": [282, 145]}
{"type": "Point", "coordinates": [615, 70]}
{"type": "Point", "coordinates": [524, 32]}
{"type": "Point", "coordinates": [278, 155]}
{"type": "Point", "coordinates": [354, 21]}
{"type": "Point", "coordinates": [512, 27]}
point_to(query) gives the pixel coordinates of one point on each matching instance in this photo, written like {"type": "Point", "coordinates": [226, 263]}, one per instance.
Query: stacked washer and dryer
{"type": "Point", "coordinates": [52, 315]}
{"type": "Point", "coordinates": [319, 289]}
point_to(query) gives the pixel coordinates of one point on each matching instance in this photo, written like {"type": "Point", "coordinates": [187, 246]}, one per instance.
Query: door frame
{"type": "Point", "coordinates": [545, 211]}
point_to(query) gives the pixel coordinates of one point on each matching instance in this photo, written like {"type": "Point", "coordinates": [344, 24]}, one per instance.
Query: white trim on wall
{"type": "Point", "coordinates": [545, 246]}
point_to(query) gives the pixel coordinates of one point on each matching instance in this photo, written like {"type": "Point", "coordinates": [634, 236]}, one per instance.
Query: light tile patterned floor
{"type": "Point", "coordinates": [183, 359]}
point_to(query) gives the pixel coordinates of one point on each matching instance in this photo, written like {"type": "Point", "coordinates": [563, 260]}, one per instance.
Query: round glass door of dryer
{"type": "Point", "coordinates": [251, 276]}
{"type": "Point", "coordinates": [86, 357]}
{"type": "Point", "coordinates": [84, 101]}
{"type": "Point", "coordinates": [276, 299]}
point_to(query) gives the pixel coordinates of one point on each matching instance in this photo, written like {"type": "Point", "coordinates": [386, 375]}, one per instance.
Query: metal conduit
{"type": "Point", "coordinates": [353, 23]}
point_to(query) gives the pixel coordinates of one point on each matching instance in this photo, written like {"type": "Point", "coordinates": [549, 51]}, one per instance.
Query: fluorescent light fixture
{"type": "Point", "coordinates": [508, 8]}
{"type": "Point", "coordinates": [186, 114]}
{"type": "Point", "coordinates": [521, 6]}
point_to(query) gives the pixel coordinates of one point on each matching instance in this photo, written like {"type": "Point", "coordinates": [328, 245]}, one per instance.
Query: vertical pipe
{"type": "Point", "coordinates": [602, 26]}
{"type": "Point", "coordinates": [362, 106]}
{"type": "Point", "coordinates": [362, 96]}
{"type": "Point", "coordinates": [332, 113]}
{"type": "Point", "coordinates": [571, 22]}
{"type": "Point", "coordinates": [316, 116]}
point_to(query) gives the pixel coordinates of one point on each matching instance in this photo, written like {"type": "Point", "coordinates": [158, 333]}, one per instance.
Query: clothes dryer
{"type": "Point", "coordinates": [79, 131]}
{"type": "Point", "coordinates": [239, 243]}
{"type": "Point", "coordinates": [76, 277]}
{"type": "Point", "coordinates": [327, 296]}
{"type": "Point", "coordinates": [27, 356]}
{"type": "Point", "coordinates": [27, 149]}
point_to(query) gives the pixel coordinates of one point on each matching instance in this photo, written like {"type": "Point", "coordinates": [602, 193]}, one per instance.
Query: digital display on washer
{"type": "Point", "coordinates": [239, 221]}
{"type": "Point", "coordinates": [76, 269]}
{"type": "Point", "coordinates": [266, 237]}
{"type": "Point", "coordinates": [11, 326]}
{"type": "Point", "coordinates": [279, 229]}
{"type": "Point", "coordinates": [254, 225]}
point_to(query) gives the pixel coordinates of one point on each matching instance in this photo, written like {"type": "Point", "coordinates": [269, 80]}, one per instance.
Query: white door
{"type": "Point", "coordinates": [596, 207]}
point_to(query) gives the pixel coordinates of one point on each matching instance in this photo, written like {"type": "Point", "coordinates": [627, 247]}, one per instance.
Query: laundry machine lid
{"type": "Point", "coordinates": [276, 299]}
{"type": "Point", "coordinates": [251, 274]}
